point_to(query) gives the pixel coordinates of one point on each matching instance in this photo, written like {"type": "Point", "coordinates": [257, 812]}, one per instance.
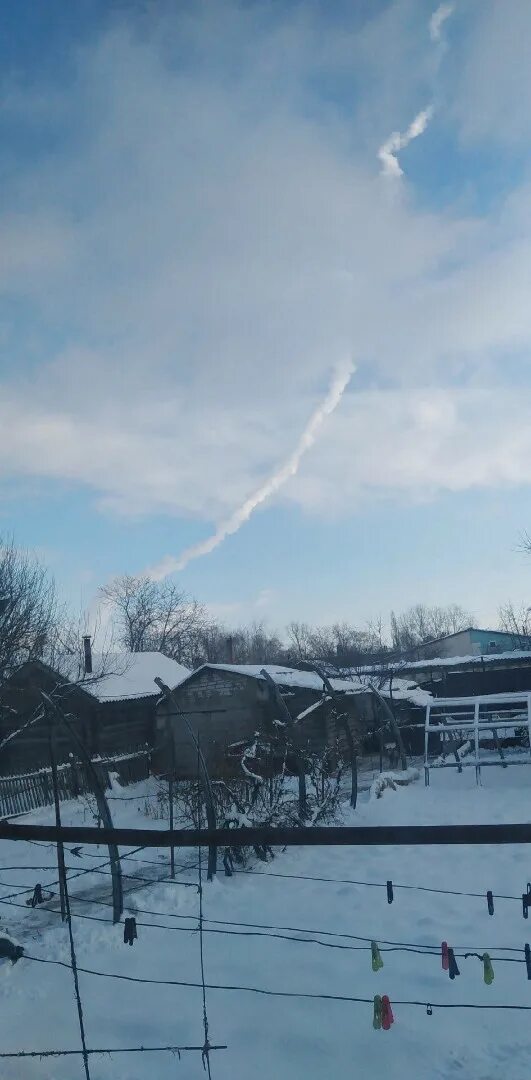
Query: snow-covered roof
{"type": "Point", "coordinates": [509, 656]}
{"type": "Point", "coordinates": [402, 689]}
{"type": "Point", "coordinates": [132, 675]}
{"type": "Point", "coordinates": [487, 658]}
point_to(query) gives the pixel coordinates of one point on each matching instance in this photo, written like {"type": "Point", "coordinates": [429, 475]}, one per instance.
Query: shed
{"type": "Point", "coordinates": [462, 676]}
{"type": "Point", "coordinates": [227, 704]}
{"type": "Point", "coordinates": [114, 712]}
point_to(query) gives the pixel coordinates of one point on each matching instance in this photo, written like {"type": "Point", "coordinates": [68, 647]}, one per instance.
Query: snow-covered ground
{"type": "Point", "coordinates": [300, 1038]}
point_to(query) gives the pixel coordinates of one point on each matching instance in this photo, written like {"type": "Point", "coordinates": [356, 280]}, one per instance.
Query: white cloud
{"type": "Point", "coordinates": [186, 271]}
{"type": "Point", "coordinates": [439, 17]}
{"type": "Point", "coordinates": [416, 444]}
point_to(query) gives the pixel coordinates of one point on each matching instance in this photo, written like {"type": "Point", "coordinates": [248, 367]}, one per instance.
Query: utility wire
{"type": "Point", "coordinates": [271, 930]}
{"type": "Point", "coordinates": [379, 885]}
{"type": "Point", "coordinates": [421, 950]}
{"type": "Point", "coordinates": [279, 993]}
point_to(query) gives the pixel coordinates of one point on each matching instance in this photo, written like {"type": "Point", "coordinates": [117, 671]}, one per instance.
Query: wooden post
{"type": "Point", "coordinates": [60, 846]}
{"type": "Point", "coordinates": [394, 726]}
{"type": "Point", "coordinates": [171, 782]}
{"type": "Point", "coordinates": [286, 718]}
{"type": "Point", "coordinates": [103, 807]}
{"type": "Point", "coordinates": [204, 777]}
{"type": "Point", "coordinates": [172, 849]}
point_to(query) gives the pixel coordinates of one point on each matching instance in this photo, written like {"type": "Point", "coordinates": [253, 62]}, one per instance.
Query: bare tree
{"type": "Point", "coordinates": [28, 607]}
{"type": "Point", "coordinates": [421, 624]}
{"type": "Point", "coordinates": [342, 646]}
{"type": "Point", "coordinates": [516, 621]}
{"type": "Point", "coordinates": [299, 640]}
{"type": "Point", "coordinates": [157, 616]}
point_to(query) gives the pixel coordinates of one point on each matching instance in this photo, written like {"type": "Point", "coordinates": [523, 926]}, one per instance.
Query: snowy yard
{"type": "Point", "coordinates": [295, 1037]}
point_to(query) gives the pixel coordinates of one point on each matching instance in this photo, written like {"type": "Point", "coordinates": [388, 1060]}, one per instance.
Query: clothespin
{"type": "Point", "coordinates": [453, 969]}
{"type": "Point", "coordinates": [490, 902]}
{"type": "Point", "coordinates": [444, 955]}
{"type": "Point", "coordinates": [389, 892]}
{"type": "Point", "coordinates": [130, 931]}
{"type": "Point", "coordinates": [377, 1018]}
{"type": "Point", "coordinates": [377, 961]}
{"type": "Point", "coordinates": [526, 901]}
{"type": "Point", "coordinates": [228, 863]}
{"type": "Point", "coordinates": [37, 897]}
{"type": "Point", "coordinates": [387, 1013]}
{"type": "Point", "coordinates": [527, 952]}
{"type": "Point", "coordinates": [488, 970]}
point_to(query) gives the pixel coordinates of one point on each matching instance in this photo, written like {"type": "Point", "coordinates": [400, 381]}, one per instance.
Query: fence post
{"type": "Point", "coordinates": [286, 718]}
{"type": "Point", "coordinates": [204, 777]}
{"type": "Point", "coordinates": [60, 846]}
{"type": "Point", "coordinates": [103, 808]}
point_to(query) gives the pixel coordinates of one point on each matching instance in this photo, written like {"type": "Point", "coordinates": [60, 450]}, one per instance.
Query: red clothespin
{"type": "Point", "coordinates": [387, 1013]}
{"type": "Point", "coordinates": [444, 955]}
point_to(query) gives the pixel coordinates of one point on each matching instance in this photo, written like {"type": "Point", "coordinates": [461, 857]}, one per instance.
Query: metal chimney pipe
{"type": "Point", "coordinates": [87, 654]}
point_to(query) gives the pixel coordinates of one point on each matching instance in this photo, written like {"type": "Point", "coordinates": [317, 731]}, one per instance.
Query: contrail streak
{"type": "Point", "coordinates": [170, 564]}
{"type": "Point", "coordinates": [388, 151]}
{"type": "Point", "coordinates": [438, 18]}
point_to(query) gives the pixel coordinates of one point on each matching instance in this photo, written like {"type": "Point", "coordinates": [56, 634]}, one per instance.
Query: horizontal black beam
{"type": "Point", "coordinates": [307, 837]}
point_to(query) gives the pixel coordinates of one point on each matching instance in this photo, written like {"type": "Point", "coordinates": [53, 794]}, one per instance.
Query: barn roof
{"type": "Point", "coordinates": [122, 676]}
{"type": "Point", "coordinates": [132, 675]}
{"type": "Point", "coordinates": [512, 657]}
{"type": "Point", "coordinates": [402, 689]}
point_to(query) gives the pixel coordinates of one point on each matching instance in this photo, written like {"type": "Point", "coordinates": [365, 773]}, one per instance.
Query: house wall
{"type": "Point", "coordinates": [473, 643]}
{"type": "Point", "coordinates": [221, 708]}
{"type": "Point", "coordinates": [19, 699]}
{"type": "Point", "coordinates": [493, 641]}
{"type": "Point", "coordinates": [485, 678]}
{"type": "Point", "coordinates": [125, 726]}
{"type": "Point", "coordinates": [460, 644]}
{"type": "Point", "coordinates": [225, 708]}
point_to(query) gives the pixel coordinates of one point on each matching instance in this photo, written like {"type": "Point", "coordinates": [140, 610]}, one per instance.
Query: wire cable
{"type": "Point", "coordinates": [279, 993]}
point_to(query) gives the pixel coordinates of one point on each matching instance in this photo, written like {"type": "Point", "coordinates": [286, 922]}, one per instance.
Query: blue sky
{"type": "Point", "coordinates": [197, 227]}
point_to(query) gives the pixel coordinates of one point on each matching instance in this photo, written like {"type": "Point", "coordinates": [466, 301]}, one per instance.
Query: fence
{"type": "Point", "coordinates": [31, 791]}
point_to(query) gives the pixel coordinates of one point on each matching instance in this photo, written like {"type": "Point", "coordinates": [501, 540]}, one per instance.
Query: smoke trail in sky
{"type": "Point", "coordinates": [397, 141]}
{"type": "Point", "coordinates": [340, 381]}
{"type": "Point", "coordinates": [438, 18]}
{"type": "Point", "coordinates": [389, 149]}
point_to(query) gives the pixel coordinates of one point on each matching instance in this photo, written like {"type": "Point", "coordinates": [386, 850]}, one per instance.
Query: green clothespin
{"type": "Point", "coordinates": [377, 961]}
{"type": "Point", "coordinates": [488, 970]}
{"type": "Point", "coordinates": [377, 1020]}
